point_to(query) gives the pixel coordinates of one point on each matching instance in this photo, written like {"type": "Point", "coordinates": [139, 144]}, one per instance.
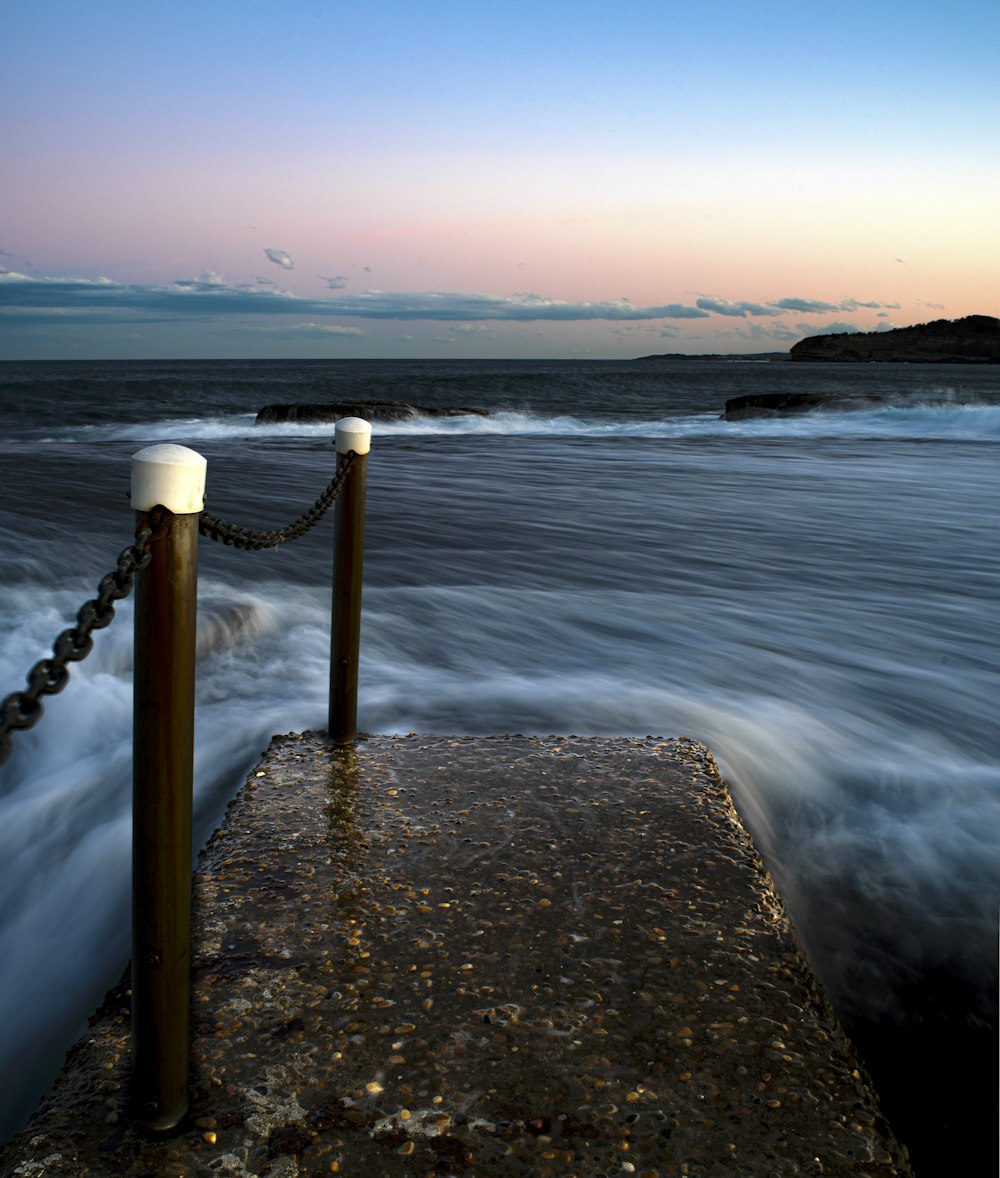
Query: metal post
{"type": "Point", "coordinates": [352, 435]}
{"type": "Point", "coordinates": [172, 478]}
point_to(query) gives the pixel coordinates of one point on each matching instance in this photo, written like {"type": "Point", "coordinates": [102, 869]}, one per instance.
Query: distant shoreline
{"type": "Point", "coordinates": [974, 339]}
{"type": "Point", "coordinates": [732, 357]}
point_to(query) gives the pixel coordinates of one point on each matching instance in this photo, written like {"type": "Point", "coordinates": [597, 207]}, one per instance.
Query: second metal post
{"type": "Point", "coordinates": [353, 435]}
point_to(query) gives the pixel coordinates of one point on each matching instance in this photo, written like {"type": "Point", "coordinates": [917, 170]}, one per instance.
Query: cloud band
{"type": "Point", "coordinates": [209, 296]}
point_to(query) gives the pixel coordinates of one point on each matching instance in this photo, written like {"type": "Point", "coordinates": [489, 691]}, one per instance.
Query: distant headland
{"type": "Point", "coordinates": [972, 340]}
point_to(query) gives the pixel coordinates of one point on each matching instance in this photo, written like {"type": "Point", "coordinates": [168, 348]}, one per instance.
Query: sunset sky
{"type": "Point", "coordinates": [544, 179]}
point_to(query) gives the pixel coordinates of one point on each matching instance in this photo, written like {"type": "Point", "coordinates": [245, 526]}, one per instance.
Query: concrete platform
{"type": "Point", "coordinates": [484, 956]}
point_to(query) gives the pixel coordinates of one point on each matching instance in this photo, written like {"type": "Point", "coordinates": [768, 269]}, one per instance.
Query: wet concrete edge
{"type": "Point", "coordinates": [83, 1125]}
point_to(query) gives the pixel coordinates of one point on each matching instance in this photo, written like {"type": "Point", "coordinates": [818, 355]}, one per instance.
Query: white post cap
{"type": "Point", "coordinates": [353, 433]}
{"type": "Point", "coordinates": [168, 476]}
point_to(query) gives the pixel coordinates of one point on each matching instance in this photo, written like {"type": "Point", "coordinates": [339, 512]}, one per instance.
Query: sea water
{"type": "Point", "coordinates": [815, 597]}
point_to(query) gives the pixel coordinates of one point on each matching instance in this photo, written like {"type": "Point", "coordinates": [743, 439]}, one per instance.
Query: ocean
{"type": "Point", "coordinates": [815, 597]}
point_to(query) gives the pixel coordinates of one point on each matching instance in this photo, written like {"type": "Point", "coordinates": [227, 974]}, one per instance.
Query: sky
{"type": "Point", "coordinates": [239, 178]}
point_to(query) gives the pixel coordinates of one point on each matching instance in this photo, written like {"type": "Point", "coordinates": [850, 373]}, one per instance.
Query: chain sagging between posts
{"type": "Point", "coordinates": [22, 709]}
{"type": "Point", "coordinates": [167, 492]}
{"type": "Point", "coordinates": [238, 537]}
{"type": "Point", "coordinates": [163, 757]}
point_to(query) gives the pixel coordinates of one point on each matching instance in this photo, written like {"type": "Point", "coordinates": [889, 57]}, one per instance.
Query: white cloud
{"type": "Point", "coordinates": [337, 282]}
{"type": "Point", "coordinates": [210, 297]}
{"type": "Point", "coordinates": [837, 327]}
{"type": "Point", "coordinates": [315, 330]}
{"type": "Point", "coordinates": [819, 307]}
{"type": "Point", "coordinates": [871, 304]}
{"type": "Point", "coordinates": [739, 309]}
{"type": "Point", "coordinates": [473, 329]}
{"type": "Point", "coordinates": [280, 258]}
{"type": "Point", "coordinates": [185, 297]}
{"type": "Point", "coordinates": [460, 306]}
{"type": "Point", "coordinates": [770, 333]}
{"type": "Point", "coordinates": [15, 278]}
{"type": "Point", "coordinates": [206, 280]}
{"type": "Point", "coordinates": [806, 306]}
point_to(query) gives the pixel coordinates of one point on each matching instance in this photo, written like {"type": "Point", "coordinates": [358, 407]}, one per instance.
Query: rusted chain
{"type": "Point", "coordinates": [22, 709]}
{"type": "Point", "coordinates": [239, 537]}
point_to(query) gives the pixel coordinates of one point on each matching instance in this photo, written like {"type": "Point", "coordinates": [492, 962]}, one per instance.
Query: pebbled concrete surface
{"type": "Point", "coordinates": [484, 956]}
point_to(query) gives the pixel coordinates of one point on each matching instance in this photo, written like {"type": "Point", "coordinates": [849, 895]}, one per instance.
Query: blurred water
{"type": "Point", "coordinates": [815, 598]}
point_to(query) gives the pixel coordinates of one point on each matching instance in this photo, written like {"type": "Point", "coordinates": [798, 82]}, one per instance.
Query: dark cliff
{"type": "Point", "coordinates": [972, 340]}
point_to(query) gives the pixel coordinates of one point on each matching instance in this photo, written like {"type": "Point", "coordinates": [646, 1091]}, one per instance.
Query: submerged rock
{"type": "Point", "coordinates": [785, 404]}
{"type": "Point", "coordinates": [320, 411]}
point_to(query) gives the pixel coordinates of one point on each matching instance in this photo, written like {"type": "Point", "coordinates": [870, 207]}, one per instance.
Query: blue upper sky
{"type": "Point", "coordinates": [517, 179]}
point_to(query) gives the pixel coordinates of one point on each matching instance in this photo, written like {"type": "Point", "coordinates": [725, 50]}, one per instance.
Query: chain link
{"type": "Point", "coordinates": [238, 537]}
{"type": "Point", "coordinates": [22, 709]}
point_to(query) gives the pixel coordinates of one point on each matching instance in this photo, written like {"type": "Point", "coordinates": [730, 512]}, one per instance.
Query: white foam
{"type": "Point", "coordinates": [925, 421]}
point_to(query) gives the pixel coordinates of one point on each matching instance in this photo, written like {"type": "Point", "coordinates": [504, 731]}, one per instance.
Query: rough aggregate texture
{"type": "Point", "coordinates": [483, 956]}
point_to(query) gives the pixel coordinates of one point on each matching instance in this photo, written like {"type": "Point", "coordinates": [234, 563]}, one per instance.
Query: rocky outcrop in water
{"type": "Point", "coordinates": [786, 404]}
{"type": "Point", "coordinates": [317, 411]}
{"type": "Point", "coordinates": [972, 340]}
